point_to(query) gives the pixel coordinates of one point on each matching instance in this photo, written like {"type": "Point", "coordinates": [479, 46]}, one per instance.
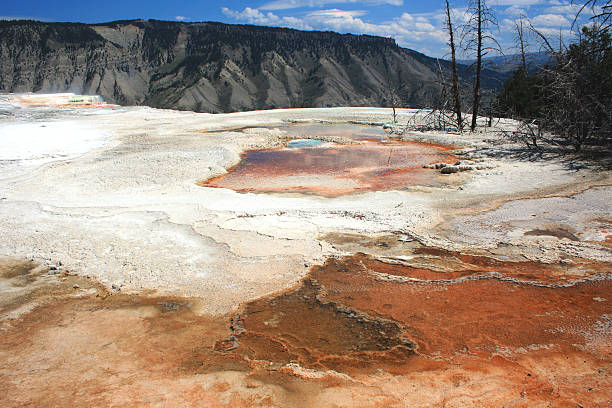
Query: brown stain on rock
{"type": "Point", "coordinates": [408, 258]}
{"type": "Point", "coordinates": [10, 268]}
{"type": "Point", "coordinates": [480, 317]}
{"type": "Point", "coordinates": [302, 327]}
{"type": "Point", "coordinates": [345, 337]}
{"type": "Point", "coordinates": [100, 349]}
{"type": "Point", "coordinates": [553, 232]}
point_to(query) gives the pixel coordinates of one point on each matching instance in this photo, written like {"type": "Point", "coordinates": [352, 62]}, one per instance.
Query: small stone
{"type": "Point", "coordinates": [469, 162]}
{"type": "Point", "coordinates": [440, 165]}
{"type": "Point", "coordinates": [75, 286]}
{"type": "Point", "coordinates": [449, 169]}
{"type": "Point", "coordinates": [224, 346]}
{"type": "Point", "coordinates": [465, 167]}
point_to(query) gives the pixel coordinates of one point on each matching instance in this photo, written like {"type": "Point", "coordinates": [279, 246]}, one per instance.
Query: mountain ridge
{"type": "Point", "coordinates": [511, 62]}
{"type": "Point", "coordinates": [216, 67]}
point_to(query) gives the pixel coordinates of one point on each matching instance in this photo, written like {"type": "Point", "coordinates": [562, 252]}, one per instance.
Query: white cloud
{"type": "Point", "coordinates": [343, 21]}
{"type": "Point", "coordinates": [180, 18]}
{"type": "Point", "coordinates": [526, 3]}
{"type": "Point", "coordinates": [515, 11]}
{"type": "Point", "coordinates": [566, 9]}
{"type": "Point", "coordinates": [335, 13]}
{"type": "Point", "coordinates": [409, 29]}
{"type": "Point", "coordinates": [254, 16]}
{"type": "Point", "coordinates": [249, 14]}
{"type": "Point", "coordinates": [291, 4]}
{"type": "Point", "coordinates": [420, 32]}
{"type": "Point", "coordinates": [553, 34]}
{"type": "Point", "coordinates": [550, 20]}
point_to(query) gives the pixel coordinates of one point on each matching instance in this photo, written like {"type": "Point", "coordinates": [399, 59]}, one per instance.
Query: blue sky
{"type": "Point", "coordinates": [414, 24]}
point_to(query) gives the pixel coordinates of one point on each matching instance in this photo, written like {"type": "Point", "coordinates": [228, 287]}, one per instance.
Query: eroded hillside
{"type": "Point", "coordinates": [213, 67]}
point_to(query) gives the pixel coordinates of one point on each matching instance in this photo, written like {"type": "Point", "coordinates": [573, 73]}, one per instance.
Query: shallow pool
{"type": "Point", "coordinates": [300, 143]}
{"type": "Point", "coordinates": [333, 169]}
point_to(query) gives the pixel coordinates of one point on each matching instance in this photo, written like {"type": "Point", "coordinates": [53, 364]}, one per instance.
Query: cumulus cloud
{"type": "Point", "coordinates": [419, 32]}
{"type": "Point", "coordinates": [526, 3]}
{"type": "Point", "coordinates": [343, 21]}
{"type": "Point", "coordinates": [567, 9]}
{"type": "Point", "coordinates": [550, 20]}
{"type": "Point", "coordinates": [335, 13]}
{"type": "Point", "coordinates": [555, 33]}
{"type": "Point", "coordinates": [515, 11]}
{"type": "Point", "coordinates": [254, 16]}
{"type": "Point", "coordinates": [291, 4]}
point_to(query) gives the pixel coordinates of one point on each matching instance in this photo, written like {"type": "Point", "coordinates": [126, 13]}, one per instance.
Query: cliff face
{"type": "Point", "coordinates": [212, 67]}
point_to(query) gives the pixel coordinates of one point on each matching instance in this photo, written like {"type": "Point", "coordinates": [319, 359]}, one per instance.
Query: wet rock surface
{"type": "Point", "coordinates": [302, 327]}
{"type": "Point", "coordinates": [347, 334]}
{"type": "Point", "coordinates": [481, 316]}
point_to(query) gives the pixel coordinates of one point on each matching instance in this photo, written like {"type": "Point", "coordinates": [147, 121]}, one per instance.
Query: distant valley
{"type": "Point", "coordinates": [509, 63]}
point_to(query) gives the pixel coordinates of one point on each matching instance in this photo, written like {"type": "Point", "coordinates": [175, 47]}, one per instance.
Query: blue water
{"type": "Point", "coordinates": [299, 143]}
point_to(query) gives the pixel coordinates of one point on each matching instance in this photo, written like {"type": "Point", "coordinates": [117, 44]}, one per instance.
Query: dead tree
{"type": "Point", "coordinates": [441, 116]}
{"type": "Point", "coordinates": [476, 38]}
{"type": "Point", "coordinates": [455, 88]}
{"type": "Point", "coordinates": [394, 99]}
{"type": "Point", "coordinates": [393, 91]}
{"type": "Point", "coordinates": [602, 13]}
{"type": "Point", "coordinates": [521, 42]}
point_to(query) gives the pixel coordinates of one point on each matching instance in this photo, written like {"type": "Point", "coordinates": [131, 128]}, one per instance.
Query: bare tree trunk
{"type": "Point", "coordinates": [456, 95]}
{"type": "Point", "coordinates": [520, 37]}
{"type": "Point", "coordinates": [391, 90]}
{"type": "Point", "coordinates": [476, 102]}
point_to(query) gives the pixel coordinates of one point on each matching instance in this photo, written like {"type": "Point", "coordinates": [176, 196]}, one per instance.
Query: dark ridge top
{"type": "Point", "coordinates": [217, 27]}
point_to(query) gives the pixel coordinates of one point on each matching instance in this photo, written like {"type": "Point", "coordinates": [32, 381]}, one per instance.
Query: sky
{"type": "Point", "coordinates": [418, 25]}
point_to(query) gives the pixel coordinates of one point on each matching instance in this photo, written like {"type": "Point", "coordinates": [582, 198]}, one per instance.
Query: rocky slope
{"type": "Point", "coordinates": [213, 67]}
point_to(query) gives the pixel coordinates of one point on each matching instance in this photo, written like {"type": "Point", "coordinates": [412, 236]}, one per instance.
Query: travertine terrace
{"type": "Point", "coordinates": [131, 275]}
